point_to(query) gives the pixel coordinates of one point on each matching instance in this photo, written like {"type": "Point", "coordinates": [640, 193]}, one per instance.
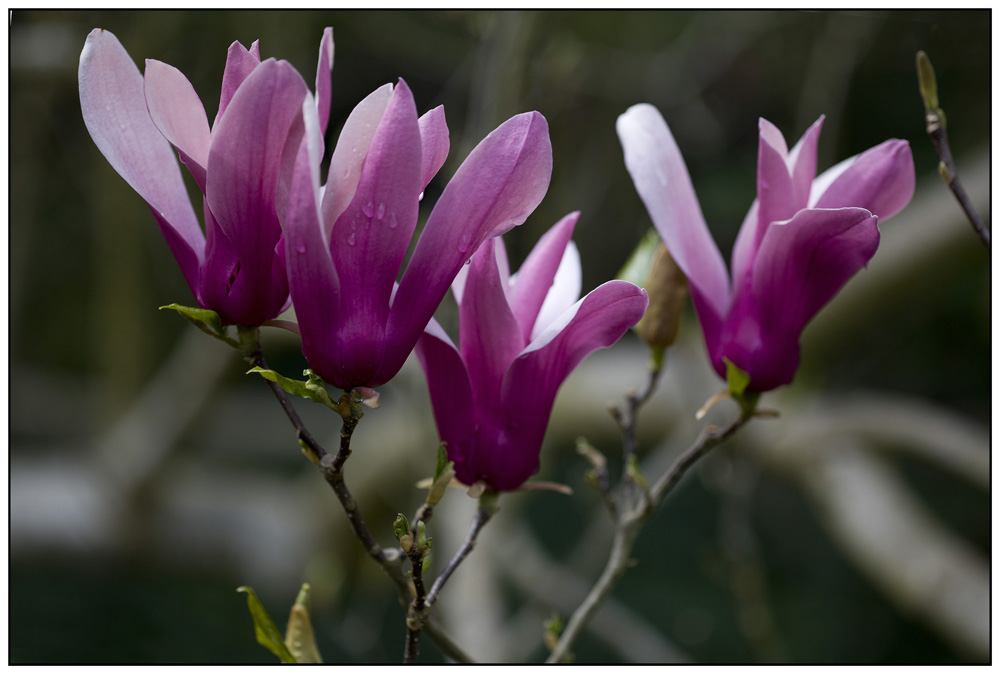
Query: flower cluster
{"type": "Point", "coordinates": [274, 234]}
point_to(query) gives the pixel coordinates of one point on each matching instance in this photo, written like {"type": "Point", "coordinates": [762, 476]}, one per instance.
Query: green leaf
{"type": "Point", "coordinates": [400, 526]}
{"type": "Point", "coordinates": [738, 382]}
{"type": "Point", "coordinates": [442, 461]}
{"type": "Point", "coordinates": [267, 632]}
{"type": "Point", "coordinates": [205, 320]}
{"type": "Point", "coordinates": [313, 388]}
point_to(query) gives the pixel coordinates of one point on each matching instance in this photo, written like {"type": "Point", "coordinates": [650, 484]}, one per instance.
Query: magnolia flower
{"type": "Point", "coordinates": [345, 242]}
{"type": "Point", "coordinates": [520, 336]}
{"type": "Point", "coordinates": [236, 267]}
{"type": "Point", "coordinates": [801, 241]}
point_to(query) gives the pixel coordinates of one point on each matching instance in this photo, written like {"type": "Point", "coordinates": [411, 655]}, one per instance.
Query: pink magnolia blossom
{"type": "Point", "coordinates": [520, 336]}
{"type": "Point", "coordinates": [346, 241]}
{"type": "Point", "coordinates": [802, 240]}
{"type": "Point", "coordinates": [236, 267]}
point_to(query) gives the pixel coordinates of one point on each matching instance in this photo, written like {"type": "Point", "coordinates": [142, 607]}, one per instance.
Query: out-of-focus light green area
{"type": "Point", "coordinates": [150, 477]}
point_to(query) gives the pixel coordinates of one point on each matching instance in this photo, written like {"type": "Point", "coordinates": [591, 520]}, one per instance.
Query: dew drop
{"type": "Point", "coordinates": [421, 197]}
{"type": "Point", "coordinates": [380, 213]}
{"type": "Point", "coordinates": [300, 247]}
{"type": "Point", "coordinates": [368, 208]}
{"type": "Point", "coordinates": [352, 239]}
{"type": "Point", "coordinates": [392, 220]}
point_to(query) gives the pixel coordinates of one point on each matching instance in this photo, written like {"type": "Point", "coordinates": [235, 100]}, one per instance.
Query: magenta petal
{"type": "Point", "coordinates": [178, 113]}
{"type": "Point", "coordinates": [114, 111]}
{"type": "Point", "coordinates": [801, 265]}
{"type": "Point", "coordinates": [242, 175]}
{"type": "Point", "coordinates": [489, 335]}
{"type": "Point", "coordinates": [312, 278]}
{"type": "Point", "coordinates": [534, 279]}
{"type": "Point", "coordinates": [496, 188]}
{"type": "Point", "coordinates": [370, 238]}
{"type": "Point", "coordinates": [662, 181]}
{"type": "Point", "coordinates": [450, 391]}
{"type": "Point", "coordinates": [349, 154]}
{"type": "Point", "coordinates": [531, 383]}
{"type": "Point", "coordinates": [435, 143]}
{"type": "Point", "coordinates": [323, 84]}
{"type": "Point", "coordinates": [240, 62]}
{"type": "Point", "coordinates": [880, 180]}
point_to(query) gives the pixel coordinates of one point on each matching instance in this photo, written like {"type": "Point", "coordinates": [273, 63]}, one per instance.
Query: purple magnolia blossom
{"type": "Point", "coordinates": [236, 267]}
{"type": "Point", "coordinates": [801, 241]}
{"type": "Point", "coordinates": [346, 241]}
{"type": "Point", "coordinates": [520, 336]}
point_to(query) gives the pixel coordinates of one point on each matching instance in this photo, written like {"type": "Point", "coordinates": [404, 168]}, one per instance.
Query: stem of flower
{"type": "Point", "coordinates": [486, 509]}
{"type": "Point", "coordinates": [332, 469]}
{"type": "Point", "coordinates": [638, 506]}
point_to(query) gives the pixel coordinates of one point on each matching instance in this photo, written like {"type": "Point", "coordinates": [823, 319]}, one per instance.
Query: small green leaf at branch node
{"type": "Point", "coordinates": [400, 527]}
{"type": "Point", "coordinates": [312, 388]}
{"type": "Point", "coordinates": [266, 631]}
{"type": "Point", "coordinates": [205, 320]}
{"type": "Point", "coordinates": [738, 382]}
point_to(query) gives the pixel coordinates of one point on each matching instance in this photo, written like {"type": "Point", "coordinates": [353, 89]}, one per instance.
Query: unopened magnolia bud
{"type": "Point", "coordinates": [667, 290]}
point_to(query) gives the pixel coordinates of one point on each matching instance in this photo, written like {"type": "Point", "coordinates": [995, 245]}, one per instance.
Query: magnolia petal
{"type": "Point", "coordinates": [783, 182]}
{"type": "Point", "coordinates": [312, 279]}
{"type": "Point", "coordinates": [242, 175]}
{"type": "Point", "coordinates": [324, 86]}
{"type": "Point", "coordinates": [533, 281]}
{"type": "Point", "coordinates": [880, 180]}
{"type": "Point", "coordinates": [489, 336]}
{"type": "Point", "coordinates": [349, 154]}
{"type": "Point", "coordinates": [435, 143]}
{"type": "Point", "coordinates": [801, 265]}
{"type": "Point", "coordinates": [450, 391]}
{"type": "Point", "coordinates": [178, 113]}
{"type": "Point", "coordinates": [563, 294]}
{"type": "Point", "coordinates": [240, 62]}
{"type": "Point", "coordinates": [370, 239]}
{"type": "Point", "coordinates": [496, 188]}
{"type": "Point", "coordinates": [531, 382]}
{"type": "Point", "coordinates": [114, 111]}
{"type": "Point", "coordinates": [662, 181]}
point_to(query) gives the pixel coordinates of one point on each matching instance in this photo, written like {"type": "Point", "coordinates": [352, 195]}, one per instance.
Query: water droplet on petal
{"type": "Point", "coordinates": [421, 197]}
{"type": "Point", "coordinates": [368, 208]}
{"type": "Point", "coordinates": [352, 239]}
{"type": "Point", "coordinates": [300, 247]}
{"type": "Point", "coordinates": [380, 213]}
{"type": "Point", "coordinates": [392, 220]}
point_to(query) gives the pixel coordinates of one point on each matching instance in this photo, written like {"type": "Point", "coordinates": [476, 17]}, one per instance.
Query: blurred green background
{"type": "Point", "coordinates": [150, 477]}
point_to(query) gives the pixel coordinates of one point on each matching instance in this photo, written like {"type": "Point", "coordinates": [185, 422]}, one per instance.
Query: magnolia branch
{"type": "Point", "coordinates": [332, 468]}
{"type": "Point", "coordinates": [936, 129]}
{"type": "Point", "coordinates": [635, 510]}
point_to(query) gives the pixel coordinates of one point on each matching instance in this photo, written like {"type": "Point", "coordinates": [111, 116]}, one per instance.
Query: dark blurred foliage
{"type": "Point", "coordinates": [88, 269]}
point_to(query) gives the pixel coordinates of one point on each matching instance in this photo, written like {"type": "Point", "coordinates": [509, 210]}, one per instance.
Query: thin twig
{"type": "Point", "coordinates": [332, 469]}
{"type": "Point", "coordinates": [939, 137]}
{"type": "Point", "coordinates": [483, 515]}
{"type": "Point", "coordinates": [633, 517]}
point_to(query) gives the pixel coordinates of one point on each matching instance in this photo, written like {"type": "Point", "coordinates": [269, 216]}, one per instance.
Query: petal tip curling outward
{"type": "Point", "coordinates": [498, 185]}
{"type": "Point", "coordinates": [532, 380]}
